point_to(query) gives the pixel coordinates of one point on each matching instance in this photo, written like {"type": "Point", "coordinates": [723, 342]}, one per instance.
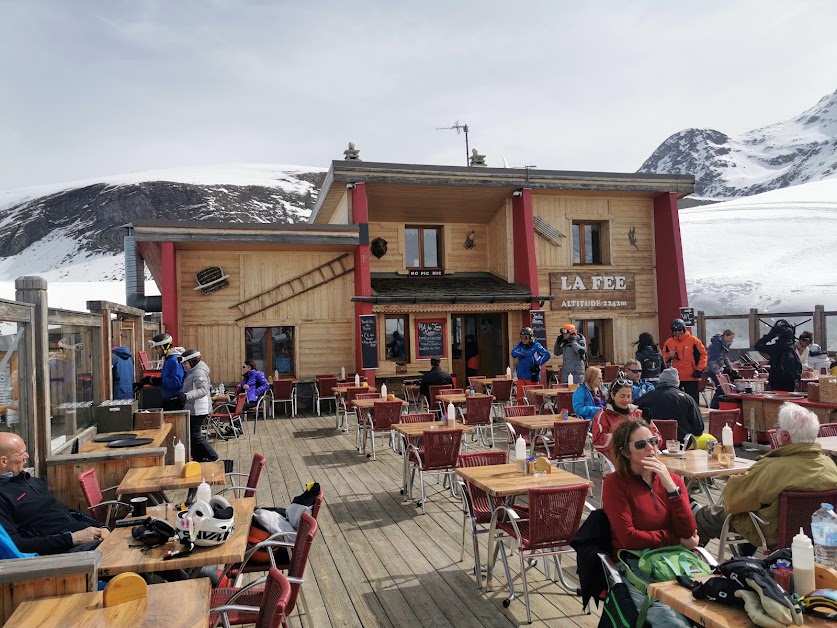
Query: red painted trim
{"type": "Point", "coordinates": [169, 289]}
{"type": "Point", "coordinates": [671, 274]}
{"type": "Point", "coordinates": [444, 323]}
{"type": "Point", "coordinates": [523, 236]}
{"type": "Point", "coordinates": [362, 274]}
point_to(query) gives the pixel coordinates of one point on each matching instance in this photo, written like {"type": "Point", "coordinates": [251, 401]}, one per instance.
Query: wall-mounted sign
{"type": "Point", "coordinates": [430, 338]}
{"type": "Point", "coordinates": [593, 290]}
{"type": "Point", "coordinates": [688, 316]}
{"type": "Point", "coordinates": [538, 326]}
{"type": "Point", "coordinates": [417, 272]}
{"type": "Point", "coordinates": [369, 341]}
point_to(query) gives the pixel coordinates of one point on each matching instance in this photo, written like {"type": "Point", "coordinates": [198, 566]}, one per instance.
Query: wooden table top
{"type": "Point", "coordinates": [459, 397]}
{"type": "Point", "coordinates": [159, 436]}
{"type": "Point", "coordinates": [549, 392]}
{"type": "Point", "coordinates": [707, 613]}
{"type": "Point", "coordinates": [182, 604]}
{"type": "Point", "coordinates": [417, 429]}
{"type": "Point", "coordinates": [163, 478]}
{"type": "Point", "coordinates": [118, 557]}
{"type": "Point", "coordinates": [504, 480]}
{"type": "Point", "coordinates": [828, 444]}
{"type": "Point", "coordinates": [540, 421]}
{"type": "Point", "coordinates": [368, 404]}
{"type": "Point", "coordinates": [697, 464]}
{"type": "Point", "coordinates": [487, 381]}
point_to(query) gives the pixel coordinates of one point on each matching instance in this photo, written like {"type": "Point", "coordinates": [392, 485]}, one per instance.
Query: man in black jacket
{"type": "Point", "coordinates": [34, 519]}
{"type": "Point", "coordinates": [434, 377]}
{"type": "Point", "coordinates": [667, 401]}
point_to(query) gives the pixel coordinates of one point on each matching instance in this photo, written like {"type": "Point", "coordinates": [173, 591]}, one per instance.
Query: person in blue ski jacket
{"type": "Point", "coordinates": [531, 355]}
{"type": "Point", "coordinates": [171, 376]}
{"type": "Point", "coordinates": [253, 382]}
{"type": "Point", "coordinates": [122, 363]}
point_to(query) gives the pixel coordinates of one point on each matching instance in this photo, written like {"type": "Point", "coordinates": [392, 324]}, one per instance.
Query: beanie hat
{"type": "Point", "coordinates": [669, 377]}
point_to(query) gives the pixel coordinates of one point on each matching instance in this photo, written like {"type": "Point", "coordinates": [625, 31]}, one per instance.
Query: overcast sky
{"type": "Point", "coordinates": [90, 88]}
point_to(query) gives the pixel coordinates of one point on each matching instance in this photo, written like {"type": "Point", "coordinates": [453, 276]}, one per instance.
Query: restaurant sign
{"type": "Point", "coordinates": [420, 272]}
{"type": "Point", "coordinates": [590, 290]}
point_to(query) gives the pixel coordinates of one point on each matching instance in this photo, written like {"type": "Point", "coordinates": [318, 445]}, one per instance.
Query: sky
{"type": "Point", "coordinates": [98, 87]}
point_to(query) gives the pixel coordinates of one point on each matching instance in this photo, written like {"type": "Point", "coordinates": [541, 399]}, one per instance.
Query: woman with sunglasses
{"type": "Point", "coordinates": [618, 409]}
{"type": "Point", "coordinates": [646, 505]}
{"type": "Point", "coordinates": [588, 398]}
{"type": "Point", "coordinates": [253, 382]}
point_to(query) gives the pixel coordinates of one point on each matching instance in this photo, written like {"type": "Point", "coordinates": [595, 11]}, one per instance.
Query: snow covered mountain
{"type": "Point", "coordinates": [69, 231]}
{"type": "Point", "coordinates": [795, 151]}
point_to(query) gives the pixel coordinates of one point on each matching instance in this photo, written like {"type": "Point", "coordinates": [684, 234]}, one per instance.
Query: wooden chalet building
{"type": "Point", "coordinates": [400, 262]}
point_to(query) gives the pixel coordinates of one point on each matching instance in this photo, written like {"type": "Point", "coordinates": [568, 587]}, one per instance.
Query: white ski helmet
{"type": "Point", "coordinates": [211, 523]}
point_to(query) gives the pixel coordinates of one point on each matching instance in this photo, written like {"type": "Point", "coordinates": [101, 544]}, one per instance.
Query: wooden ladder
{"type": "Point", "coordinates": [314, 278]}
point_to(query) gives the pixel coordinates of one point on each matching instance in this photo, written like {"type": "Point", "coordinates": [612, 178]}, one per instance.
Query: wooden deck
{"type": "Point", "coordinates": [376, 560]}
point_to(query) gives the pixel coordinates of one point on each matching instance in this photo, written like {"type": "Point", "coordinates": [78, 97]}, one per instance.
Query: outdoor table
{"type": "Point", "coordinates": [119, 553]}
{"type": "Point", "coordinates": [828, 444]}
{"type": "Point", "coordinates": [706, 612]}
{"type": "Point", "coordinates": [458, 398]}
{"type": "Point", "coordinates": [415, 430]}
{"type": "Point", "coordinates": [697, 466]}
{"type": "Point", "coordinates": [183, 604]}
{"type": "Point", "coordinates": [367, 406]}
{"type": "Point", "coordinates": [539, 423]}
{"type": "Point", "coordinates": [158, 435]}
{"type": "Point", "coordinates": [339, 392]}
{"type": "Point", "coordinates": [162, 478]}
{"type": "Point", "coordinates": [549, 392]}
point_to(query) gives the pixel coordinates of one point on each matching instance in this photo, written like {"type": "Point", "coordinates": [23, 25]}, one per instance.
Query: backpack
{"type": "Point", "coordinates": [661, 565]}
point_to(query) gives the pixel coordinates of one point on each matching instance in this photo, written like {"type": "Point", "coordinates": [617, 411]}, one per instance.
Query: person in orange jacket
{"type": "Point", "coordinates": [688, 355]}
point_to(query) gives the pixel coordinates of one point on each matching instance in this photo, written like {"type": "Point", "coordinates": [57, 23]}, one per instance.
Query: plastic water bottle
{"type": "Point", "coordinates": [221, 388]}
{"type": "Point", "coordinates": [383, 391]}
{"type": "Point", "coordinates": [179, 457]}
{"type": "Point", "coordinates": [824, 531]}
{"type": "Point", "coordinates": [802, 556]}
{"type": "Point", "coordinates": [451, 414]}
{"type": "Point", "coordinates": [471, 391]}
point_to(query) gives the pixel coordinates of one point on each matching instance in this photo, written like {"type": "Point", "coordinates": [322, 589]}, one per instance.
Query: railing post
{"type": "Point", "coordinates": [755, 331]}
{"type": "Point", "coordinates": [701, 326]}
{"type": "Point", "coordinates": [820, 330]}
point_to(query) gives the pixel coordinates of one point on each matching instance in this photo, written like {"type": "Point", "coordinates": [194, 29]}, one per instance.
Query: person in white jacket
{"type": "Point", "coordinates": [198, 403]}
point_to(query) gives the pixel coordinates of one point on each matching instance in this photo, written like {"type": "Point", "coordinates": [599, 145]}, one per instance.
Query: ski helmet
{"type": "Point", "coordinates": [163, 341]}
{"type": "Point", "coordinates": [191, 357]}
{"type": "Point", "coordinates": [678, 325]}
{"type": "Point", "coordinates": [527, 331]}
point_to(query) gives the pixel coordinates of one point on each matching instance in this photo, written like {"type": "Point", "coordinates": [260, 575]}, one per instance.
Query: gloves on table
{"type": "Point", "coordinates": [750, 573]}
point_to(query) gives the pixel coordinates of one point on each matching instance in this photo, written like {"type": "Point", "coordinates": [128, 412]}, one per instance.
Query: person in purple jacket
{"type": "Point", "coordinates": [253, 382]}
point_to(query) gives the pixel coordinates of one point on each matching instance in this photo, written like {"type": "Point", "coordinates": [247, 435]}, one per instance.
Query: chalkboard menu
{"type": "Point", "coordinates": [538, 326]}
{"type": "Point", "coordinates": [369, 341]}
{"type": "Point", "coordinates": [430, 338]}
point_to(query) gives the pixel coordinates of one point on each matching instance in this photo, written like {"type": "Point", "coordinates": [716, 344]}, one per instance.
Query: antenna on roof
{"type": "Point", "coordinates": [527, 169]}
{"type": "Point", "coordinates": [459, 128]}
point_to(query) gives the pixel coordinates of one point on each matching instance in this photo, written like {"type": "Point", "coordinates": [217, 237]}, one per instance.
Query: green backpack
{"type": "Point", "coordinates": [661, 565]}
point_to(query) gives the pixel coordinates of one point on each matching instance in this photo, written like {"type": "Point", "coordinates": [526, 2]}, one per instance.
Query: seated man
{"type": "Point", "coordinates": [434, 377]}
{"type": "Point", "coordinates": [34, 519]}
{"type": "Point", "coordinates": [667, 401]}
{"type": "Point", "coordinates": [633, 371]}
{"type": "Point", "coordinates": [797, 465]}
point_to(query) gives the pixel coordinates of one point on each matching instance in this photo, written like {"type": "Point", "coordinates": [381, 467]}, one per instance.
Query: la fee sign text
{"type": "Point", "coordinates": [593, 290]}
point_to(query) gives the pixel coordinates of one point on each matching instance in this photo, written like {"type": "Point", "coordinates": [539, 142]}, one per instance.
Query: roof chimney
{"type": "Point", "coordinates": [351, 153]}
{"type": "Point", "coordinates": [476, 159]}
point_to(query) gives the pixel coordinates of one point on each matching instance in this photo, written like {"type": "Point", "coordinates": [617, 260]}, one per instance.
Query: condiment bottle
{"type": "Point", "coordinates": [802, 556]}
{"type": "Point", "coordinates": [451, 414]}
{"type": "Point", "coordinates": [726, 440]}
{"type": "Point", "coordinates": [570, 380]}
{"type": "Point", "coordinates": [343, 373]}
{"type": "Point", "coordinates": [383, 391]}
{"type": "Point", "coordinates": [357, 380]}
{"type": "Point", "coordinates": [179, 457]}
{"type": "Point", "coordinates": [204, 492]}
{"type": "Point", "coordinates": [508, 371]}
{"type": "Point", "coordinates": [520, 454]}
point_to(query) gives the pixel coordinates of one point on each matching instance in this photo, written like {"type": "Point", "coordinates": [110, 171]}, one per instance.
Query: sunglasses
{"type": "Point", "coordinates": [635, 370]}
{"type": "Point", "coordinates": [643, 443]}
{"type": "Point", "coordinates": [246, 366]}
{"type": "Point", "coordinates": [623, 382]}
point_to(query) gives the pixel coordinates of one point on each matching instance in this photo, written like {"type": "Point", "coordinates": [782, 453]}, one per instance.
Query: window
{"type": "Point", "coordinates": [397, 341]}
{"type": "Point", "coordinates": [271, 348]}
{"type": "Point", "coordinates": [423, 247]}
{"type": "Point", "coordinates": [590, 243]}
{"type": "Point", "coordinates": [70, 363]}
{"type": "Point", "coordinates": [599, 336]}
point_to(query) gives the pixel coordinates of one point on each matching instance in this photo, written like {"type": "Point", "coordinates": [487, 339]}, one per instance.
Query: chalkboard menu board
{"type": "Point", "coordinates": [430, 338]}
{"type": "Point", "coordinates": [369, 341]}
{"type": "Point", "coordinates": [539, 326]}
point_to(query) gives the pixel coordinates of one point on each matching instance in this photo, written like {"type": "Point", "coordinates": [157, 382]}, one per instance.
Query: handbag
{"type": "Point", "coordinates": [661, 565]}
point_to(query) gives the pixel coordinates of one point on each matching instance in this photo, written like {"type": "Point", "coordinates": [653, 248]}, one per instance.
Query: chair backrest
{"type": "Point", "coordinates": [570, 438]}
{"type": "Point", "coordinates": [412, 394]}
{"type": "Point", "coordinates": [554, 515]}
{"type": "Point", "coordinates": [353, 391]}
{"type": "Point", "coordinates": [89, 484]}
{"type": "Point", "coordinates": [726, 385]}
{"type": "Point", "coordinates": [773, 437]}
{"type": "Point", "coordinates": [441, 449]}
{"type": "Point", "coordinates": [255, 473]}
{"type": "Point", "coordinates": [433, 390]}
{"type": "Point", "coordinates": [719, 418]}
{"type": "Point", "coordinates": [513, 411]}
{"type": "Point", "coordinates": [502, 390]}
{"type": "Point", "coordinates": [795, 510]}
{"type": "Point", "coordinates": [481, 505]}
{"type": "Point", "coordinates": [483, 458]}
{"type": "Point", "coordinates": [478, 410]}
{"type": "Point", "coordinates": [385, 413]}
{"type": "Point", "coordinates": [318, 502]}
{"type": "Point", "coordinates": [143, 360]}
{"type": "Point", "coordinates": [828, 429]}
{"type": "Point", "coordinates": [747, 372]}
{"type": "Point", "coordinates": [477, 386]}
{"type": "Point", "coordinates": [522, 398]}
{"type": "Point", "coordinates": [283, 389]}
{"type": "Point", "coordinates": [325, 385]}
{"type": "Point", "coordinates": [564, 401]}
{"type": "Point", "coordinates": [418, 417]}
{"type": "Point", "coordinates": [274, 602]}
{"type": "Point", "coordinates": [239, 404]}
{"type": "Point", "coordinates": [305, 533]}
{"type": "Point", "coordinates": [667, 429]}
{"type": "Point", "coordinates": [610, 372]}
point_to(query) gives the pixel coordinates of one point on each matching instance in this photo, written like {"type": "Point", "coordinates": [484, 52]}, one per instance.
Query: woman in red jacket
{"type": "Point", "coordinates": [618, 409]}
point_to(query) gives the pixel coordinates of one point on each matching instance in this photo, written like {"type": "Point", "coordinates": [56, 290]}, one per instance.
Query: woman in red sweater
{"type": "Point", "coordinates": [618, 409]}
{"type": "Point", "coordinates": [647, 507]}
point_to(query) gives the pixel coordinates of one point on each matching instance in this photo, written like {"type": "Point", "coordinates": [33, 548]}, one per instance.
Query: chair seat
{"type": "Point", "coordinates": [483, 514]}
{"type": "Point", "coordinates": [220, 597]}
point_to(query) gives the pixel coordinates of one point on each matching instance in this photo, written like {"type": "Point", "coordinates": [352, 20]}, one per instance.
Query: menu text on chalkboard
{"type": "Point", "coordinates": [538, 326]}
{"type": "Point", "coordinates": [430, 338]}
{"type": "Point", "coordinates": [369, 341]}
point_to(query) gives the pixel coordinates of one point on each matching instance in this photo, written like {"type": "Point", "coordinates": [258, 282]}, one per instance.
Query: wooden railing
{"type": "Point", "coordinates": [756, 329]}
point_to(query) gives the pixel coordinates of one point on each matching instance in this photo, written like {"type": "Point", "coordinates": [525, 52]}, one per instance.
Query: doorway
{"type": "Point", "coordinates": [480, 345]}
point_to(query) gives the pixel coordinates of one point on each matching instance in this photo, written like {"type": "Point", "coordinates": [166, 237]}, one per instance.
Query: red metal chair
{"type": "Point", "coordinates": [447, 391]}
{"type": "Point", "coordinates": [384, 414]}
{"type": "Point", "coordinates": [476, 504]}
{"type": "Point", "coordinates": [566, 445]}
{"type": "Point", "coordinates": [284, 392]}
{"type": "Point", "coordinates": [477, 413]}
{"type": "Point", "coordinates": [521, 398]}
{"type": "Point", "coordinates": [236, 606]}
{"type": "Point", "coordinates": [253, 477]}
{"type": "Point", "coordinates": [726, 385]}
{"type": "Point", "coordinates": [324, 391]}
{"type": "Point", "coordinates": [501, 390]}
{"type": "Point", "coordinates": [773, 438]}
{"type": "Point", "coordinates": [432, 391]}
{"type": "Point", "coordinates": [413, 397]}
{"type": "Point", "coordinates": [719, 418]}
{"type": "Point", "coordinates": [564, 401]}
{"type": "Point", "coordinates": [348, 408]}
{"type": "Point", "coordinates": [553, 520]}
{"type": "Point", "coordinates": [100, 509]}
{"type": "Point", "coordinates": [416, 417]}
{"type": "Point", "coordinates": [610, 372]}
{"type": "Point", "coordinates": [828, 429]}
{"type": "Point", "coordinates": [437, 455]}
{"type": "Point", "coordinates": [515, 411]}
{"type": "Point", "coordinates": [229, 412]}
{"type": "Point", "coordinates": [477, 386]}
{"type": "Point", "coordinates": [667, 429]}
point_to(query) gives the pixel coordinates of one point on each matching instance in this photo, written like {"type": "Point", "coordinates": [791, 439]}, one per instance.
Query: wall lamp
{"type": "Point", "coordinates": [517, 193]}
{"type": "Point", "coordinates": [350, 186]}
